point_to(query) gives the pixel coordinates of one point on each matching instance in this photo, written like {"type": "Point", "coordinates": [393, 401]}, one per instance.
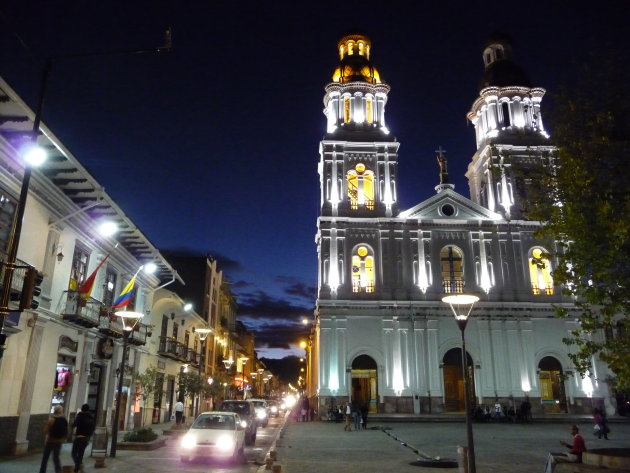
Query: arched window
{"type": "Point", "coordinates": [361, 187]}
{"type": "Point", "coordinates": [346, 109]}
{"type": "Point", "coordinates": [363, 269]}
{"type": "Point", "coordinates": [505, 108]}
{"type": "Point", "coordinates": [452, 264]}
{"type": "Point", "coordinates": [369, 111]}
{"type": "Point", "coordinates": [540, 273]}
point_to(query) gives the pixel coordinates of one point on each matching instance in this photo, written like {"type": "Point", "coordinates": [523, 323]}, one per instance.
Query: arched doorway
{"type": "Point", "coordinates": [551, 381]}
{"type": "Point", "coordinates": [364, 382]}
{"type": "Point", "coordinates": [454, 380]}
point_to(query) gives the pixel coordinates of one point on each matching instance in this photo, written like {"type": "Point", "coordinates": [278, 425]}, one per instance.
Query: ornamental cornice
{"type": "Point", "coordinates": [500, 92]}
{"type": "Point", "coordinates": [352, 87]}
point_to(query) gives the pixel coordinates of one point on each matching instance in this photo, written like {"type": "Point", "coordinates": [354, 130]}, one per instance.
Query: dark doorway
{"type": "Point", "coordinates": [365, 382]}
{"type": "Point", "coordinates": [454, 380]}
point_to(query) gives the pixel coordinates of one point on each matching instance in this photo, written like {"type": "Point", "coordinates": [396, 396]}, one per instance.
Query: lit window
{"type": "Point", "coordinates": [363, 270]}
{"type": "Point", "coordinates": [361, 188]}
{"type": "Point", "coordinates": [350, 48]}
{"type": "Point", "coordinates": [361, 48]}
{"type": "Point", "coordinates": [452, 264]}
{"type": "Point", "coordinates": [368, 110]}
{"type": "Point", "coordinates": [346, 109]}
{"type": "Point", "coordinates": [540, 273]}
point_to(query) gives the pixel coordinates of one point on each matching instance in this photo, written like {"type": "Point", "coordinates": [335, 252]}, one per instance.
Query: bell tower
{"type": "Point", "coordinates": [358, 157]}
{"type": "Point", "coordinates": [511, 138]}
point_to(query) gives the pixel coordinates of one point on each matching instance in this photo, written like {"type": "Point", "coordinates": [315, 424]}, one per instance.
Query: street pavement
{"type": "Point", "coordinates": [386, 446]}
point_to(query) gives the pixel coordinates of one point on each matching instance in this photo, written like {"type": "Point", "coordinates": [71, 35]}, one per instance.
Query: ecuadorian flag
{"type": "Point", "coordinates": [125, 296]}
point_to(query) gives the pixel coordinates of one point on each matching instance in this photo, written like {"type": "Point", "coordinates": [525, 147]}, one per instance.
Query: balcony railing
{"type": "Point", "coordinates": [171, 348]}
{"type": "Point", "coordinates": [193, 357]}
{"type": "Point", "coordinates": [357, 286]}
{"type": "Point", "coordinates": [453, 286]}
{"type": "Point", "coordinates": [81, 311]}
{"type": "Point", "coordinates": [110, 325]}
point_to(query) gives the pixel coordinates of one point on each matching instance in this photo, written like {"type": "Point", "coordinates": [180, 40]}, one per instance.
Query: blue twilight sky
{"type": "Point", "coordinates": [213, 147]}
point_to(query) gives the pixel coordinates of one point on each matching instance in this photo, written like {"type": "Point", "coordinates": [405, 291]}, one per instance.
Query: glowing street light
{"type": "Point", "coordinates": [462, 305]}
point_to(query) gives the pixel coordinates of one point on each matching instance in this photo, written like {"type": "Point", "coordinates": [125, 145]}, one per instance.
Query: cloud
{"type": "Point", "coordinates": [276, 333]}
{"type": "Point", "coordinates": [259, 304]}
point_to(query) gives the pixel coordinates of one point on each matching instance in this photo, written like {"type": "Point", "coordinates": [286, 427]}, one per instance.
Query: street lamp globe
{"type": "Point", "coordinates": [202, 333]}
{"type": "Point", "coordinates": [129, 319]}
{"type": "Point", "coordinates": [107, 228]}
{"type": "Point", "coordinates": [228, 363]}
{"type": "Point", "coordinates": [150, 267]}
{"type": "Point", "coordinates": [35, 156]}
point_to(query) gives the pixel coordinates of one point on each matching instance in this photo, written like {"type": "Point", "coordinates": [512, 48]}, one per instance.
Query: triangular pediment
{"type": "Point", "coordinates": [448, 204]}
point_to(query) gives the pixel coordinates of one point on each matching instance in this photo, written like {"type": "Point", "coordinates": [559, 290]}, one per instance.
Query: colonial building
{"type": "Point", "coordinates": [383, 335]}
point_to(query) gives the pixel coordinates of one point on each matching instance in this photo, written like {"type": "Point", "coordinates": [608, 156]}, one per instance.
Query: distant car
{"type": "Point", "coordinates": [262, 412]}
{"type": "Point", "coordinates": [274, 409]}
{"type": "Point", "coordinates": [247, 412]}
{"type": "Point", "coordinates": [214, 435]}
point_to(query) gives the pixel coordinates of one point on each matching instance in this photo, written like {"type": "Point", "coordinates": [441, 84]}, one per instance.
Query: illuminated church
{"type": "Point", "coordinates": [383, 337]}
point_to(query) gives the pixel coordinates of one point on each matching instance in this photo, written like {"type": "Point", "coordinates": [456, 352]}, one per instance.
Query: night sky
{"type": "Point", "coordinates": [213, 147]}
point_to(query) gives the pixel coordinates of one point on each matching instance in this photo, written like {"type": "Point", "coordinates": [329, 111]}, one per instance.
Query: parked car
{"type": "Point", "coordinates": [247, 412]}
{"type": "Point", "coordinates": [214, 435]}
{"type": "Point", "coordinates": [262, 411]}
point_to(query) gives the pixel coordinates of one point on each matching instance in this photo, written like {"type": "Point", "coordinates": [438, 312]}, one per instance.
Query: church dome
{"type": "Point", "coordinates": [355, 65]}
{"type": "Point", "coordinates": [501, 71]}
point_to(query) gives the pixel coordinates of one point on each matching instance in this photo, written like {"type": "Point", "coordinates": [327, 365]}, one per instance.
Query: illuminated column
{"type": "Point", "coordinates": [423, 278]}
{"type": "Point", "coordinates": [484, 277]}
{"type": "Point", "coordinates": [333, 276]}
{"type": "Point", "coordinates": [335, 191]}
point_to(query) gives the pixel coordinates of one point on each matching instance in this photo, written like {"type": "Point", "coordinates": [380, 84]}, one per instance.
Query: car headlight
{"type": "Point", "coordinates": [261, 414]}
{"type": "Point", "coordinates": [274, 409]}
{"type": "Point", "coordinates": [244, 424]}
{"type": "Point", "coordinates": [225, 443]}
{"type": "Point", "coordinates": [188, 441]}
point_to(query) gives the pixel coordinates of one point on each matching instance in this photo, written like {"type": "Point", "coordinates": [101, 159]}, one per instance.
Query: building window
{"type": "Point", "coordinates": [346, 109]}
{"type": "Point", "coordinates": [452, 263]}
{"type": "Point", "coordinates": [505, 108]}
{"type": "Point", "coordinates": [540, 273]}
{"type": "Point", "coordinates": [363, 269]}
{"type": "Point", "coordinates": [369, 112]}
{"type": "Point", "coordinates": [361, 188]}
{"type": "Point", "coordinates": [109, 288]}
{"type": "Point", "coordinates": [175, 329]}
{"type": "Point", "coordinates": [7, 214]}
{"type": "Point", "coordinates": [78, 271]}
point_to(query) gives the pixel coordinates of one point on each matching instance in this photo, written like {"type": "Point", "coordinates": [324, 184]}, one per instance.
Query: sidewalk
{"type": "Point", "coordinates": [320, 446]}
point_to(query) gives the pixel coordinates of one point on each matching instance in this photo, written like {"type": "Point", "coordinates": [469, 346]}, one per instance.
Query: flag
{"type": "Point", "coordinates": [85, 289]}
{"type": "Point", "coordinates": [125, 296]}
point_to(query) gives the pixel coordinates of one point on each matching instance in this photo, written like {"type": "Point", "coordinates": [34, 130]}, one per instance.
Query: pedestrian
{"type": "Point", "coordinates": [574, 455]}
{"type": "Point", "coordinates": [179, 411]}
{"type": "Point", "coordinates": [56, 431]}
{"type": "Point", "coordinates": [356, 416]}
{"type": "Point", "coordinates": [601, 425]}
{"type": "Point", "coordinates": [364, 416]}
{"type": "Point", "coordinates": [84, 427]}
{"type": "Point", "coordinates": [348, 416]}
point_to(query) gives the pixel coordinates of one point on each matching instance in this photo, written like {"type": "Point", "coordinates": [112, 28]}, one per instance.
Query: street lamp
{"type": "Point", "coordinates": [129, 320]}
{"type": "Point", "coordinates": [202, 333]}
{"type": "Point", "coordinates": [462, 305]}
{"type": "Point", "coordinates": [228, 364]}
{"type": "Point", "coordinates": [243, 360]}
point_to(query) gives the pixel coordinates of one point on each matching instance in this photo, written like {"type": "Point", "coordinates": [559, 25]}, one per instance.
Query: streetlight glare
{"type": "Point", "coordinates": [188, 307]}
{"type": "Point", "coordinates": [460, 299]}
{"type": "Point", "coordinates": [107, 228]}
{"type": "Point", "coordinates": [150, 267]}
{"type": "Point", "coordinates": [35, 156]}
{"type": "Point", "coordinates": [303, 344]}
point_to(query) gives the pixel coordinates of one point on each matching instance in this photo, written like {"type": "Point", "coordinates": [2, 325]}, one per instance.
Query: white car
{"type": "Point", "coordinates": [214, 435]}
{"type": "Point", "coordinates": [262, 411]}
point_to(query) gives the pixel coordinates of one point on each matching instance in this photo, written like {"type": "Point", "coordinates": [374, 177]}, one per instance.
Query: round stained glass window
{"type": "Point", "coordinates": [362, 251]}
{"type": "Point", "coordinates": [537, 253]}
{"type": "Point", "coordinates": [448, 210]}
{"type": "Point", "coordinates": [360, 167]}
{"type": "Point", "coordinates": [355, 269]}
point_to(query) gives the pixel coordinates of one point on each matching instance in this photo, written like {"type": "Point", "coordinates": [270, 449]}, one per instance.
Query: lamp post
{"type": "Point", "coordinates": [462, 305]}
{"type": "Point", "coordinates": [243, 360]}
{"type": "Point", "coordinates": [228, 364]}
{"type": "Point", "coordinates": [129, 321]}
{"type": "Point", "coordinates": [202, 333]}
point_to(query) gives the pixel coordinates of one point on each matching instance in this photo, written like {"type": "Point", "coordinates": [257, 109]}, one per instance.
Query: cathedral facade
{"type": "Point", "coordinates": [383, 336]}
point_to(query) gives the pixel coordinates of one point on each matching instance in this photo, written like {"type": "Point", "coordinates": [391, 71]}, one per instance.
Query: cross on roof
{"type": "Point", "coordinates": [440, 151]}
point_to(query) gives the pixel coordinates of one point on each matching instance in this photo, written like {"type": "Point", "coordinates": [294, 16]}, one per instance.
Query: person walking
{"type": "Point", "coordinates": [600, 427]}
{"type": "Point", "coordinates": [364, 416]}
{"type": "Point", "coordinates": [356, 415]}
{"type": "Point", "coordinates": [84, 427]}
{"type": "Point", "coordinates": [56, 431]}
{"type": "Point", "coordinates": [348, 416]}
{"type": "Point", "coordinates": [179, 412]}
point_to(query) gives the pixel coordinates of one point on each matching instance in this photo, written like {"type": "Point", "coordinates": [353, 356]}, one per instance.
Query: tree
{"type": "Point", "coordinates": [584, 204]}
{"type": "Point", "coordinates": [151, 386]}
{"type": "Point", "coordinates": [192, 384]}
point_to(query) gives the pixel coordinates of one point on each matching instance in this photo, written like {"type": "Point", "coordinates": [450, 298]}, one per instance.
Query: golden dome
{"type": "Point", "coordinates": [355, 65]}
